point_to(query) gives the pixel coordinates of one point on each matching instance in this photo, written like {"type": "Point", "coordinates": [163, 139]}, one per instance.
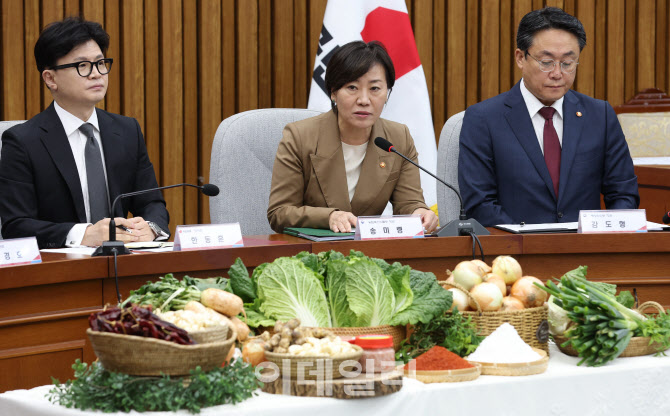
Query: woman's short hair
{"type": "Point", "coordinates": [59, 38]}
{"type": "Point", "coordinates": [353, 60]}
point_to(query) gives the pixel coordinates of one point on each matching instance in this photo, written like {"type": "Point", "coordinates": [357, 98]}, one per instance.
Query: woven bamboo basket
{"type": "Point", "coordinates": [397, 332]}
{"type": "Point", "coordinates": [445, 376]}
{"type": "Point", "coordinates": [141, 356]}
{"type": "Point", "coordinates": [315, 368]}
{"type": "Point", "coordinates": [636, 347]}
{"type": "Point", "coordinates": [212, 334]}
{"type": "Point", "coordinates": [516, 369]}
{"type": "Point", "coordinates": [530, 323]}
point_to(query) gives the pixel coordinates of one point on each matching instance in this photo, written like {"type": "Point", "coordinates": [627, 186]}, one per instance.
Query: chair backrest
{"type": "Point", "coordinates": [243, 153]}
{"type": "Point", "coordinates": [448, 205]}
{"type": "Point", "coordinates": [4, 125]}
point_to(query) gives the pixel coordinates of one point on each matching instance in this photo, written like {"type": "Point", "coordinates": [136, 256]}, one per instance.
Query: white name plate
{"type": "Point", "coordinates": [195, 237]}
{"type": "Point", "coordinates": [17, 251]}
{"type": "Point", "coordinates": [389, 227]}
{"type": "Point", "coordinates": [612, 221]}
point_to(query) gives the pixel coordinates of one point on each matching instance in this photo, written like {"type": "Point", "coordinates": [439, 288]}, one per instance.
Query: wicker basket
{"type": "Point", "coordinates": [141, 356]}
{"type": "Point", "coordinates": [212, 334]}
{"type": "Point", "coordinates": [315, 368]}
{"type": "Point", "coordinates": [636, 347]}
{"type": "Point", "coordinates": [397, 332]}
{"type": "Point", "coordinates": [445, 376]}
{"type": "Point", "coordinates": [516, 369]}
{"type": "Point", "coordinates": [530, 323]}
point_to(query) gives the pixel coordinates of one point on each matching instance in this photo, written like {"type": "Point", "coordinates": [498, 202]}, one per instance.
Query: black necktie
{"type": "Point", "coordinates": [95, 174]}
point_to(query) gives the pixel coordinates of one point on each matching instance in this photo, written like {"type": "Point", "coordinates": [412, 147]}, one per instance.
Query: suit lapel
{"type": "Point", "coordinates": [572, 130]}
{"type": "Point", "coordinates": [59, 149]}
{"type": "Point", "coordinates": [519, 120]}
{"type": "Point", "coordinates": [328, 165]}
{"type": "Point", "coordinates": [373, 175]}
{"type": "Point", "coordinates": [110, 137]}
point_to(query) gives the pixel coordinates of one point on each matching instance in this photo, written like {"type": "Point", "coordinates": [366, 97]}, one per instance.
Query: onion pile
{"type": "Point", "coordinates": [499, 287]}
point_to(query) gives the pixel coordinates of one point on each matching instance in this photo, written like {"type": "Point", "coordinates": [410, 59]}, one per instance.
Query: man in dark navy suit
{"type": "Point", "coordinates": [541, 152]}
{"type": "Point", "coordinates": [60, 170]}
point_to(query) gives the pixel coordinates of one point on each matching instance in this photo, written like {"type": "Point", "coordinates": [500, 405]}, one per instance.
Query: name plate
{"type": "Point", "coordinates": [17, 251]}
{"type": "Point", "coordinates": [389, 227]}
{"type": "Point", "coordinates": [612, 221]}
{"type": "Point", "coordinates": [195, 237]}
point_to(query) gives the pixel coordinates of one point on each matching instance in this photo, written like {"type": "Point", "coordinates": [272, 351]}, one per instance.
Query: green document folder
{"type": "Point", "coordinates": [318, 234]}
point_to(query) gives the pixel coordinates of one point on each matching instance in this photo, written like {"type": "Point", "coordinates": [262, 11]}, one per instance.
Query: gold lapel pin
{"type": "Point", "coordinates": [579, 113]}
{"type": "Point", "coordinates": [382, 165]}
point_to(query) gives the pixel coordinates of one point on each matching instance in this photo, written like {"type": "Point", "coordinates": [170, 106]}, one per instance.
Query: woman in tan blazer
{"type": "Point", "coordinates": [328, 171]}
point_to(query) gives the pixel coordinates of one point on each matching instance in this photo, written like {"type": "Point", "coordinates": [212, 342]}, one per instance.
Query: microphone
{"type": "Point", "coordinates": [666, 218]}
{"type": "Point", "coordinates": [114, 247]}
{"type": "Point", "coordinates": [461, 226]}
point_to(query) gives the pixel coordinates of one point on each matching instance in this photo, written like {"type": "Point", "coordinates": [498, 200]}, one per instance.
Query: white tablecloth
{"type": "Point", "coordinates": [627, 387]}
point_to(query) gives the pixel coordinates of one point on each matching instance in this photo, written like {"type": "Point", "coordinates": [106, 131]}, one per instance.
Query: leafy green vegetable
{"type": "Point", "coordinates": [369, 293]}
{"type": "Point", "coordinates": [398, 277]}
{"type": "Point", "coordinates": [168, 293]}
{"type": "Point", "coordinates": [658, 329]}
{"type": "Point", "coordinates": [430, 300]}
{"type": "Point", "coordinates": [452, 331]}
{"type": "Point", "coordinates": [626, 299]}
{"type": "Point", "coordinates": [98, 389]}
{"type": "Point", "coordinates": [240, 282]}
{"type": "Point", "coordinates": [336, 287]}
{"type": "Point", "coordinates": [288, 289]}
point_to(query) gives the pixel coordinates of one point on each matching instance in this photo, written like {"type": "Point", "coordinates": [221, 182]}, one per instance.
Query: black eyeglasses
{"type": "Point", "coordinates": [84, 68]}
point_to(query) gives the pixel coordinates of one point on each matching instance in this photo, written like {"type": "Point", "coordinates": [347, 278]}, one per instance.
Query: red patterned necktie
{"type": "Point", "coordinates": [552, 147]}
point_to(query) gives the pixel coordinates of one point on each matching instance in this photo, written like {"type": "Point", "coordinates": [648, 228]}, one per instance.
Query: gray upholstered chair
{"type": "Point", "coordinates": [4, 125]}
{"type": "Point", "coordinates": [243, 153]}
{"type": "Point", "coordinates": [448, 205]}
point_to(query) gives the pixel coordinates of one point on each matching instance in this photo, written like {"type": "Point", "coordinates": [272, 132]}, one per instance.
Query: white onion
{"type": "Point", "coordinates": [508, 268]}
{"type": "Point", "coordinates": [531, 295]}
{"type": "Point", "coordinates": [498, 281]}
{"type": "Point", "coordinates": [467, 274]}
{"type": "Point", "coordinates": [485, 267]}
{"type": "Point", "coordinates": [460, 299]}
{"type": "Point", "coordinates": [487, 295]}
{"type": "Point", "coordinates": [510, 303]}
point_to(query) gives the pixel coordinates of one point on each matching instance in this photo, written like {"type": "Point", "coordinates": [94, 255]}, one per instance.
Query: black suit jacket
{"type": "Point", "coordinates": [40, 189]}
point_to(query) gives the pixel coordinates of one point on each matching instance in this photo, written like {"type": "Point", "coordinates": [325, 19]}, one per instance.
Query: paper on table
{"type": "Point", "coordinates": [70, 250]}
{"type": "Point", "coordinates": [651, 161]}
{"type": "Point", "coordinates": [561, 227]}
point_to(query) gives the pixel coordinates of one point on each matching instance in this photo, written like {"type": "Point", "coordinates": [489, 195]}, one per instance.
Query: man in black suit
{"type": "Point", "coordinates": [60, 170]}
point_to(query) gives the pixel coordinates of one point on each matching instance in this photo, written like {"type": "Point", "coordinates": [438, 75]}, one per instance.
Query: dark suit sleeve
{"type": "Point", "coordinates": [619, 186]}
{"type": "Point", "coordinates": [18, 204]}
{"type": "Point", "coordinates": [476, 171]}
{"type": "Point", "coordinates": [150, 206]}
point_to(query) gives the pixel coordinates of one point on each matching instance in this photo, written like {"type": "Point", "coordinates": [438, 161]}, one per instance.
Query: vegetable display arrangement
{"type": "Point", "coordinates": [334, 290]}
{"type": "Point", "coordinates": [138, 321]}
{"type": "Point", "coordinates": [604, 325]}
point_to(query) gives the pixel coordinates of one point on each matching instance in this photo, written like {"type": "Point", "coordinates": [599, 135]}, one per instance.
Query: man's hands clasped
{"type": "Point", "coordinates": [138, 230]}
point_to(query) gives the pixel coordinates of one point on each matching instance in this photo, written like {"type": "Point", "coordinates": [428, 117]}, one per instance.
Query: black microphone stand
{"type": "Point", "coordinates": [460, 227]}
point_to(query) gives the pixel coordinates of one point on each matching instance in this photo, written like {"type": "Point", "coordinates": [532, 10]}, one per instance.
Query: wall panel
{"type": "Point", "coordinates": [182, 66]}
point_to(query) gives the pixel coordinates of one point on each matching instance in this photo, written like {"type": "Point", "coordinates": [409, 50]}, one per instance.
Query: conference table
{"type": "Point", "coordinates": [44, 307]}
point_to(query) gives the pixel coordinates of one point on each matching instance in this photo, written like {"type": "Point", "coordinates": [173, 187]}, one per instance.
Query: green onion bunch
{"type": "Point", "coordinates": [604, 326]}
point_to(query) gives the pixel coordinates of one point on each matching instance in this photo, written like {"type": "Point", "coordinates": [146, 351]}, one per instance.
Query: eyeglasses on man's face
{"type": "Point", "coordinates": [548, 65]}
{"type": "Point", "coordinates": [84, 68]}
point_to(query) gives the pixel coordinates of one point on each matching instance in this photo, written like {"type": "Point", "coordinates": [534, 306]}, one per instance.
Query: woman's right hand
{"type": "Point", "coordinates": [341, 221]}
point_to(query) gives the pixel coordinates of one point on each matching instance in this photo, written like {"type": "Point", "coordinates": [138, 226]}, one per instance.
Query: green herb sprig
{"type": "Point", "coordinates": [658, 329]}
{"type": "Point", "coordinates": [98, 389]}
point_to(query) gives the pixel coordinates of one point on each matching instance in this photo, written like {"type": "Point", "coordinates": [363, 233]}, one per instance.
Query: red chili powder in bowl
{"type": "Point", "coordinates": [439, 358]}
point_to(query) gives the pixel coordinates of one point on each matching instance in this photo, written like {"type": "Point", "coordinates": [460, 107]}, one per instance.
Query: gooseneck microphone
{"type": "Point", "coordinates": [666, 218]}
{"type": "Point", "coordinates": [461, 226]}
{"type": "Point", "coordinates": [114, 247]}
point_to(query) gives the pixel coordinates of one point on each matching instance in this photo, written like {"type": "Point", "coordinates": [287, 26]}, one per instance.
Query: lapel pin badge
{"type": "Point", "coordinates": [579, 113]}
{"type": "Point", "coordinates": [382, 165]}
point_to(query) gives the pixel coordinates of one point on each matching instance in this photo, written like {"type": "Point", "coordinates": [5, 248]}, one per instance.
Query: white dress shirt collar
{"type": "Point", "coordinates": [534, 105]}
{"type": "Point", "coordinates": [71, 123]}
